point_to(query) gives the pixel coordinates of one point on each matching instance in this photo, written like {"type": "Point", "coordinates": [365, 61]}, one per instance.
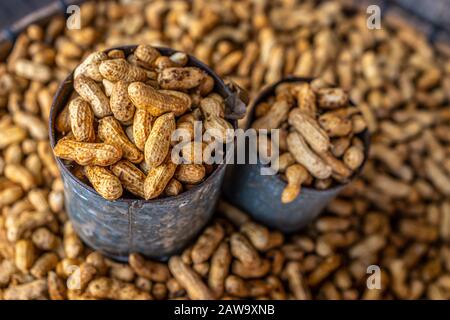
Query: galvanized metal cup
{"type": "Point", "coordinates": [260, 195]}
{"type": "Point", "coordinates": [155, 228]}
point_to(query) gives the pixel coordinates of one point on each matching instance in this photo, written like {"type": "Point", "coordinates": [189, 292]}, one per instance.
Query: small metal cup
{"type": "Point", "coordinates": [260, 195]}
{"type": "Point", "coordinates": [155, 228]}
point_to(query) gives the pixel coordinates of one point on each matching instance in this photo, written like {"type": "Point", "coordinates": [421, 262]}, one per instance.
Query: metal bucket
{"type": "Point", "coordinates": [155, 228]}
{"type": "Point", "coordinates": [260, 195]}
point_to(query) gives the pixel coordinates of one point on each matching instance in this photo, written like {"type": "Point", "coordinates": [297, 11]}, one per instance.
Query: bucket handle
{"type": "Point", "coordinates": [237, 99]}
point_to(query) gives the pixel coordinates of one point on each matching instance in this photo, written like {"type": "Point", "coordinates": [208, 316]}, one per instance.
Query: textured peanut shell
{"type": "Point", "coordinates": [91, 91]}
{"type": "Point", "coordinates": [85, 153]}
{"type": "Point", "coordinates": [158, 178]}
{"type": "Point", "coordinates": [20, 175]}
{"type": "Point", "coordinates": [189, 280]}
{"type": "Point", "coordinates": [190, 173]}
{"type": "Point", "coordinates": [34, 290]}
{"type": "Point", "coordinates": [121, 106]}
{"type": "Point", "coordinates": [206, 85]}
{"type": "Point", "coordinates": [44, 264]}
{"type": "Point", "coordinates": [89, 67]}
{"type": "Point", "coordinates": [81, 120]}
{"type": "Point", "coordinates": [120, 69]}
{"type": "Point", "coordinates": [339, 168]}
{"type": "Point", "coordinates": [310, 130]}
{"type": "Point", "coordinates": [173, 188]}
{"type": "Point", "coordinates": [146, 54]}
{"type": "Point", "coordinates": [353, 157]}
{"type": "Point", "coordinates": [32, 70]}
{"type": "Point", "coordinates": [306, 99]}
{"type": "Point", "coordinates": [331, 98]}
{"type": "Point", "coordinates": [104, 182]}
{"type": "Point", "coordinates": [35, 125]}
{"type": "Point", "coordinates": [158, 142]}
{"type": "Point", "coordinates": [207, 243]}
{"type": "Point", "coordinates": [185, 132]}
{"type": "Point", "coordinates": [56, 287]}
{"type": "Point", "coordinates": [81, 277]}
{"type": "Point", "coordinates": [110, 131]}
{"type": "Point", "coordinates": [260, 236]}
{"type": "Point", "coordinates": [156, 102]}
{"type": "Point", "coordinates": [108, 86]}
{"type": "Point", "coordinates": [63, 120]}
{"type": "Point", "coordinates": [130, 176]}
{"type": "Point", "coordinates": [192, 152]}
{"type": "Point", "coordinates": [27, 221]}
{"type": "Point", "coordinates": [250, 271]}
{"type": "Point", "coordinates": [180, 58]}
{"type": "Point", "coordinates": [180, 78]}
{"type": "Point", "coordinates": [10, 194]}
{"type": "Point", "coordinates": [187, 101]}
{"type": "Point", "coordinates": [116, 54]}
{"type": "Point", "coordinates": [211, 106]}
{"type": "Point", "coordinates": [277, 114]}
{"type": "Point", "coordinates": [334, 125]}
{"type": "Point", "coordinates": [163, 62]}
{"type": "Point", "coordinates": [151, 270]}
{"type": "Point", "coordinates": [109, 288]}
{"type": "Point", "coordinates": [219, 128]}
{"type": "Point", "coordinates": [284, 161]}
{"type": "Point", "coordinates": [243, 250]}
{"type": "Point", "coordinates": [11, 135]}
{"type": "Point", "coordinates": [219, 269]}
{"type": "Point", "coordinates": [25, 255]}
{"type": "Point", "coordinates": [339, 145]}
{"type": "Point", "coordinates": [305, 156]}
{"type": "Point", "coordinates": [296, 174]}
{"type": "Point", "coordinates": [142, 124]}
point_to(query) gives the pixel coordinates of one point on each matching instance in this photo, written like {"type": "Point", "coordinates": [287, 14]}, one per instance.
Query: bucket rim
{"type": "Point", "coordinates": [268, 91]}
{"type": "Point", "coordinates": [67, 84]}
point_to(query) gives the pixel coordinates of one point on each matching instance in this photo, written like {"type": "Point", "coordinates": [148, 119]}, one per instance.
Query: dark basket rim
{"type": "Point", "coordinates": [58, 104]}
{"type": "Point", "coordinates": [268, 91]}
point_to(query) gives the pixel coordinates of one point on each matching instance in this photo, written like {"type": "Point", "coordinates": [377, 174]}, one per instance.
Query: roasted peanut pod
{"type": "Point", "coordinates": [219, 128]}
{"type": "Point", "coordinates": [110, 131]}
{"type": "Point", "coordinates": [189, 280]}
{"type": "Point", "coordinates": [130, 176]}
{"type": "Point", "coordinates": [146, 54]}
{"type": "Point", "coordinates": [274, 117]}
{"type": "Point", "coordinates": [296, 174]}
{"type": "Point", "coordinates": [212, 107]}
{"type": "Point", "coordinates": [121, 106]}
{"type": "Point", "coordinates": [85, 153]}
{"type": "Point", "coordinates": [331, 98]}
{"type": "Point", "coordinates": [335, 125]}
{"type": "Point", "coordinates": [306, 99]}
{"type": "Point", "coordinates": [309, 128]}
{"type": "Point", "coordinates": [81, 120]}
{"type": "Point", "coordinates": [104, 182]}
{"type": "Point", "coordinates": [180, 78]}
{"type": "Point", "coordinates": [158, 142]}
{"type": "Point", "coordinates": [306, 157]}
{"type": "Point", "coordinates": [11, 135]}
{"type": "Point", "coordinates": [190, 173]}
{"type": "Point", "coordinates": [156, 102]}
{"type": "Point", "coordinates": [158, 178]}
{"type": "Point", "coordinates": [89, 67]}
{"type": "Point", "coordinates": [142, 124]}
{"type": "Point", "coordinates": [120, 70]}
{"type": "Point", "coordinates": [91, 91]}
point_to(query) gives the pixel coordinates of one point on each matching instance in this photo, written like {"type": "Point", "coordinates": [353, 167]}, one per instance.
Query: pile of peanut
{"type": "Point", "coordinates": [318, 135]}
{"type": "Point", "coordinates": [118, 125]}
{"type": "Point", "coordinates": [397, 216]}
